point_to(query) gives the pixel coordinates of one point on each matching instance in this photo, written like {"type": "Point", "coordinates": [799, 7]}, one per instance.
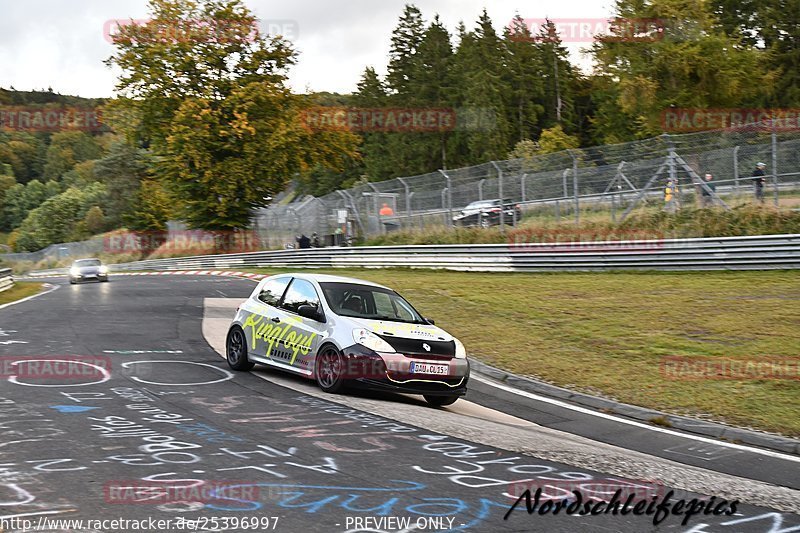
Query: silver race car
{"type": "Point", "coordinates": [88, 269]}
{"type": "Point", "coordinates": [346, 332]}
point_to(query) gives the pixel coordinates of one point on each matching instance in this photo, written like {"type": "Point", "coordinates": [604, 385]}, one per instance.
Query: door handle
{"type": "Point", "coordinates": [276, 320]}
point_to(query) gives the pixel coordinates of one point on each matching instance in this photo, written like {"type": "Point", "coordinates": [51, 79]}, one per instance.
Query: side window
{"type": "Point", "coordinates": [383, 304]}
{"type": "Point", "coordinates": [272, 291]}
{"type": "Point", "coordinates": [301, 292]}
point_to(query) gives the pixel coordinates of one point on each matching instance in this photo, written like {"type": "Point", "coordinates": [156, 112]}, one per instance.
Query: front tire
{"type": "Point", "coordinates": [236, 350]}
{"type": "Point", "coordinates": [329, 370]}
{"type": "Point", "coordinates": [440, 401]}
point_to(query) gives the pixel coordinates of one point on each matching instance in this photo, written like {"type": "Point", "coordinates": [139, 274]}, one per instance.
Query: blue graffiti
{"type": "Point", "coordinates": [72, 408]}
{"type": "Point", "coordinates": [357, 500]}
{"type": "Point", "coordinates": [208, 433]}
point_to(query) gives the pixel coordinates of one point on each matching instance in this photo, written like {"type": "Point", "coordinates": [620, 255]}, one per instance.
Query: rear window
{"type": "Point", "coordinates": [87, 263]}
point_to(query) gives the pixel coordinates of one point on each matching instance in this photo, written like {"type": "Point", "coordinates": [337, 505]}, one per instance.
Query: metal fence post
{"type": "Point", "coordinates": [564, 180]}
{"type": "Point", "coordinates": [575, 186]}
{"type": "Point", "coordinates": [736, 169]}
{"type": "Point", "coordinates": [522, 185]}
{"type": "Point", "coordinates": [673, 175]}
{"type": "Point", "coordinates": [775, 162]}
{"type": "Point", "coordinates": [449, 198]}
{"type": "Point", "coordinates": [500, 193]}
{"type": "Point", "coordinates": [480, 189]}
{"type": "Point", "coordinates": [408, 196]}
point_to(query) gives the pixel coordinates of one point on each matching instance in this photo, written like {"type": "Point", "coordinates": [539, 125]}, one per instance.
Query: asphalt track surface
{"type": "Point", "coordinates": [160, 429]}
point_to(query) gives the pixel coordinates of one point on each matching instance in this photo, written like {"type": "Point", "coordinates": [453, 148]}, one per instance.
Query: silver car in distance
{"type": "Point", "coordinates": [346, 332]}
{"type": "Point", "coordinates": [88, 269]}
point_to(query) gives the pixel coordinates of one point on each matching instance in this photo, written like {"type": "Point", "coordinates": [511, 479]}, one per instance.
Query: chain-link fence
{"type": "Point", "coordinates": [604, 181]}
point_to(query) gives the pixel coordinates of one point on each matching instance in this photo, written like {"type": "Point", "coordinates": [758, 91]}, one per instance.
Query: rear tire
{"type": "Point", "coordinates": [236, 350]}
{"type": "Point", "coordinates": [440, 401]}
{"type": "Point", "coordinates": [329, 370]}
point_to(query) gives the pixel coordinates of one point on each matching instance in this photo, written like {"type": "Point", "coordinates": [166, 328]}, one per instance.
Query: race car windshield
{"type": "Point", "coordinates": [87, 263]}
{"type": "Point", "coordinates": [374, 303]}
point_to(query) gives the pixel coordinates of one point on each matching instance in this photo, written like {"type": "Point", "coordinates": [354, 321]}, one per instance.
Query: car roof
{"type": "Point", "coordinates": [327, 278]}
{"type": "Point", "coordinates": [87, 259]}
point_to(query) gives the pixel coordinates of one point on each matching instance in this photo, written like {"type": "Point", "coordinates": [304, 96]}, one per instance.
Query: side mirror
{"type": "Point", "coordinates": [310, 312]}
{"type": "Point", "coordinates": [430, 321]}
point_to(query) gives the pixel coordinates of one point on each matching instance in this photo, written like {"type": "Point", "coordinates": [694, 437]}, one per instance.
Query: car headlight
{"type": "Point", "coordinates": [366, 338]}
{"type": "Point", "coordinates": [104, 270]}
{"type": "Point", "coordinates": [461, 352]}
{"type": "Point", "coordinates": [74, 272]}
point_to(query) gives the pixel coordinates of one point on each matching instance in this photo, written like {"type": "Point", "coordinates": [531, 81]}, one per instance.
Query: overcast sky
{"type": "Point", "coordinates": [61, 43]}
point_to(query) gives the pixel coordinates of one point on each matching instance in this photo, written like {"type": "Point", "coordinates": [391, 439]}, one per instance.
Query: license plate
{"type": "Point", "coordinates": [428, 368]}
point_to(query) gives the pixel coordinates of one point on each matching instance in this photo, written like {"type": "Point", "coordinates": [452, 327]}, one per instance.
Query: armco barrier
{"type": "Point", "coordinates": [6, 281]}
{"type": "Point", "coordinates": [726, 253]}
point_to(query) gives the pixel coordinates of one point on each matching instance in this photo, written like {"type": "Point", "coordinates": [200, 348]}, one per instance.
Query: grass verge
{"type": "Point", "coordinates": [608, 333]}
{"type": "Point", "coordinates": [19, 291]}
{"type": "Point", "coordinates": [649, 223]}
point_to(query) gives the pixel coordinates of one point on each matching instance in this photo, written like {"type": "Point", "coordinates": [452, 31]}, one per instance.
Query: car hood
{"type": "Point", "coordinates": [386, 328]}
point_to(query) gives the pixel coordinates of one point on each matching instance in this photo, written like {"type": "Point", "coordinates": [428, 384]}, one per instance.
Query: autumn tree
{"type": "Point", "coordinates": [212, 104]}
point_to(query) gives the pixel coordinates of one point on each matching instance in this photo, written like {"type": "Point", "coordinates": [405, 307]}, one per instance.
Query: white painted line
{"type": "Point", "coordinates": [51, 289]}
{"type": "Point", "coordinates": [598, 414]}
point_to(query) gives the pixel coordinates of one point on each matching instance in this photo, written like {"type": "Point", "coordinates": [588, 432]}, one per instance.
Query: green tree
{"type": "Point", "coordinates": [55, 220]}
{"type": "Point", "coordinates": [6, 183]}
{"type": "Point", "coordinates": [94, 220]}
{"type": "Point", "coordinates": [525, 75]}
{"type": "Point", "coordinates": [226, 157]}
{"type": "Point", "coordinates": [151, 208]}
{"type": "Point", "coordinates": [559, 77]}
{"type": "Point", "coordinates": [122, 170]}
{"type": "Point", "coordinates": [482, 91]}
{"type": "Point", "coordinates": [68, 148]}
{"type": "Point", "coordinates": [691, 64]}
{"type": "Point", "coordinates": [24, 152]}
{"type": "Point", "coordinates": [214, 108]}
{"type": "Point", "coordinates": [774, 27]}
{"type": "Point", "coordinates": [555, 140]}
{"type": "Point", "coordinates": [406, 39]}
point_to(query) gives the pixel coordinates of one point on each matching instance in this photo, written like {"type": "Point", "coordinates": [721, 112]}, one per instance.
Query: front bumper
{"type": "Point", "coordinates": [392, 372]}
{"type": "Point", "coordinates": [88, 277]}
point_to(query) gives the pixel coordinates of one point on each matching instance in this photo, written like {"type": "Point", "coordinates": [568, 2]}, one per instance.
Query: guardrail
{"type": "Point", "coordinates": [6, 280]}
{"type": "Point", "coordinates": [726, 253]}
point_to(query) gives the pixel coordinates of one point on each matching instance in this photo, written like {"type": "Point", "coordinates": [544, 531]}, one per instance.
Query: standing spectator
{"type": "Point", "coordinates": [671, 196]}
{"type": "Point", "coordinates": [315, 240]}
{"type": "Point", "coordinates": [759, 181]}
{"type": "Point", "coordinates": [386, 211]}
{"type": "Point", "coordinates": [303, 242]}
{"type": "Point", "coordinates": [708, 199]}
